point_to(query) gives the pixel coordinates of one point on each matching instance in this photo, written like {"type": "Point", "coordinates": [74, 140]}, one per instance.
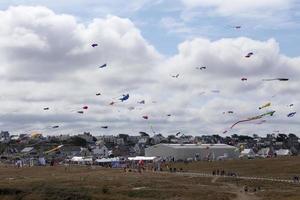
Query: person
{"type": "Point", "coordinates": [246, 188]}
{"type": "Point", "coordinates": [296, 178]}
{"type": "Point", "coordinates": [214, 172]}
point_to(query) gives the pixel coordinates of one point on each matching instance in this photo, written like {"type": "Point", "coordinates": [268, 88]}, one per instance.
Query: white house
{"type": "Point", "coordinates": [283, 152]}
{"type": "Point", "coordinates": [100, 151]}
{"type": "Point", "coordinates": [247, 153]}
{"type": "Point", "coordinates": [265, 152]}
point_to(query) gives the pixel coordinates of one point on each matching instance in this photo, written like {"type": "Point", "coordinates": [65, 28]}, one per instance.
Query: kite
{"type": "Point", "coordinates": [291, 105]}
{"type": "Point", "coordinates": [55, 126]}
{"type": "Point", "coordinates": [131, 108]}
{"type": "Point", "coordinates": [141, 102]}
{"type": "Point", "coordinates": [145, 117]}
{"type": "Point", "coordinates": [237, 27]}
{"type": "Point", "coordinates": [94, 45]}
{"type": "Point", "coordinates": [225, 131]}
{"type": "Point", "coordinates": [265, 105]}
{"type": "Point", "coordinates": [112, 103]}
{"type": "Point", "coordinates": [98, 94]}
{"type": "Point", "coordinates": [215, 91]}
{"type": "Point", "coordinates": [54, 149]}
{"type": "Point", "coordinates": [249, 55]}
{"type": "Point", "coordinates": [102, 66]}
{"type": "Point", "coordinates": [85, 107]}
{"type": "Point", "coordinates": [46, 108]}
{"type": "Point", "coordinates": [80, 112]}
{"type": "Point", "coordinates": [271, 113]}
{"type": "Point", "coordinates": [244, 79]}
{"type": "Point", "coordinates": [169, 115]}
{"type": "Point", "coordinates": [124, 98]}
{"type": "Point", "coordinates": [291, 114]}
{"type": "Point", "coordinates": [276, 79]}
{"type": "Point", "coordinates": [178, 133]}
{"type": "Point", "coordinates": [230, 112]}
{"type": "Point", "coordinates": [201, 68]}
{"type": "Point", "coordinates": [105, 127]}
{"type": "Point", "coordinates": [175, 76]}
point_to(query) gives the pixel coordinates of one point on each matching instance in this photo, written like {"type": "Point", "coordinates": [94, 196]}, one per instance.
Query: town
{"type": "Point", "coordinates": [86, 148]}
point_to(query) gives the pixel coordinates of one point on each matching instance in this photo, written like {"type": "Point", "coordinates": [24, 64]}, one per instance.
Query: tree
{"type": "Point", "coordinates": [281, 137]}
{"type": "Point", "coordinates": [77, 141]}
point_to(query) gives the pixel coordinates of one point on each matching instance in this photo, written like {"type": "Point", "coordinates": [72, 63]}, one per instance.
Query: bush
{"type": "Point", "coordinates": [105, 190]}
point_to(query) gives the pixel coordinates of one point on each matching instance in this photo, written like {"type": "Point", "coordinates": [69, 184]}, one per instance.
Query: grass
{"type": "Point", "coordinates": [84, 183]}
{"type": "Point", "coordinates": [284, 167]}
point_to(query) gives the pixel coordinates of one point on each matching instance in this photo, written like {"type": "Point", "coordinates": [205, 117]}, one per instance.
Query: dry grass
{"type": "Point", "coordinates": [99, 183]}
{"type": "Point", "coordinates": [285, 167]}
{"type": "Point", "coordinates": [84, 183]}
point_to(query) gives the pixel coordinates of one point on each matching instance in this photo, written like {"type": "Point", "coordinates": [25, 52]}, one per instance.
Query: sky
{"type": "Point", "coordinates": [47, 60]}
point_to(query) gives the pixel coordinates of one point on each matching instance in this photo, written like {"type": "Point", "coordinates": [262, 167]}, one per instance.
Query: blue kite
{"type": "Point", "coordinates": [102, 66]}
{"type": "Point", "coordinates": [124, 98]}
{"type": "Point", "coordinates": [291, 114]}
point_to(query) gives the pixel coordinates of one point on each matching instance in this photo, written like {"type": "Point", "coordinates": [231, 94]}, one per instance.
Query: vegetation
{"type": "Point", "coordinates": [85, 183]}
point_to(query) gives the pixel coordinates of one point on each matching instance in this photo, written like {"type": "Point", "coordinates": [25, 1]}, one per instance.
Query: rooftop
{"type": "Point", "coordinates": [198, 146]}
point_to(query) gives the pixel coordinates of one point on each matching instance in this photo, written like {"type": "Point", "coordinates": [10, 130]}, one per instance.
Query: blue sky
{"type": "Point", "coordinates": [281, 23]}
{"type": "Point", "coordinates": [47, 60]}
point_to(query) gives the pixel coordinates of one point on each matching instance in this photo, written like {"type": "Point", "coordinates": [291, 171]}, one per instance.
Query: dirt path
{"type": "Point", "coordinates": [238, 191]}
{"type": "Point", "coordinates": [240, 194]}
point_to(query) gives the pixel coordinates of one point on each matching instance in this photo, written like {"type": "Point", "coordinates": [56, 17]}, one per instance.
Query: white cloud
{"type": "Point", "coordinates": [48, 61]}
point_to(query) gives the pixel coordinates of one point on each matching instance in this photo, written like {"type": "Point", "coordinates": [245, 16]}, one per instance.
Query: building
{"type": "Point", "coordinates": [100, 151]}
{"type": "Point", "coordinates": [192, 151]}
{"type": "Point", "coordinates": [28, 150]}
{"type": "Point", "coordinates": [265, 152]}
{"type": "Point", "coordinates": [4, 136]}
{"type": "Point", "coordinates": [247, 153]}
{"type": "Point", "coordinates": [283, 152]}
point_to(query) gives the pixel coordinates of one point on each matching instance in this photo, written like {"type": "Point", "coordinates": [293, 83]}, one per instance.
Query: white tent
{"type": "Point", "coordinates": [81, 159]}
{"type": "Point", "coordinates": [108, 160]}
{"type": "Point", "coordinates": [137, 158]}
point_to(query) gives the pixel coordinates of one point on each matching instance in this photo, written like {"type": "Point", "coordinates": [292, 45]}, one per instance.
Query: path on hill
{"type": "Point", "coordinates": [236, 177]}
{"type": "Point", "coordinates": [238, 191]}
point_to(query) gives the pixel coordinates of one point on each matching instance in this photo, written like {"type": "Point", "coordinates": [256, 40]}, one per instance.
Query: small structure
{"type": "Point", "coordinates": [82, 160]}
{"type": "Point", "coordinates": [144, 158]}
{"type": "Point", "coordinates": [247, 153]}
{"type": "Point", "coordinates": [115, 162]}
{"type": "Point", "coordinates": [28, 150]}
{"type": "Point", "coordinates": [265, 152]}
{"type": "Point", "coordinates": [283, 152]}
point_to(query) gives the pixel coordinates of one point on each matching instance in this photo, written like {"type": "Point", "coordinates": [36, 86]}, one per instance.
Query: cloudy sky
{"type": "Point", "coordinates": [47, 61]}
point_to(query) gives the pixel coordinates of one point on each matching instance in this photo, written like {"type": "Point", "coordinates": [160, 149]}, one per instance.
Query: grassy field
{"type": "Point", "coordinates": [284, 167]}
{"type": "Point", "coordinates": [100, 183]}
